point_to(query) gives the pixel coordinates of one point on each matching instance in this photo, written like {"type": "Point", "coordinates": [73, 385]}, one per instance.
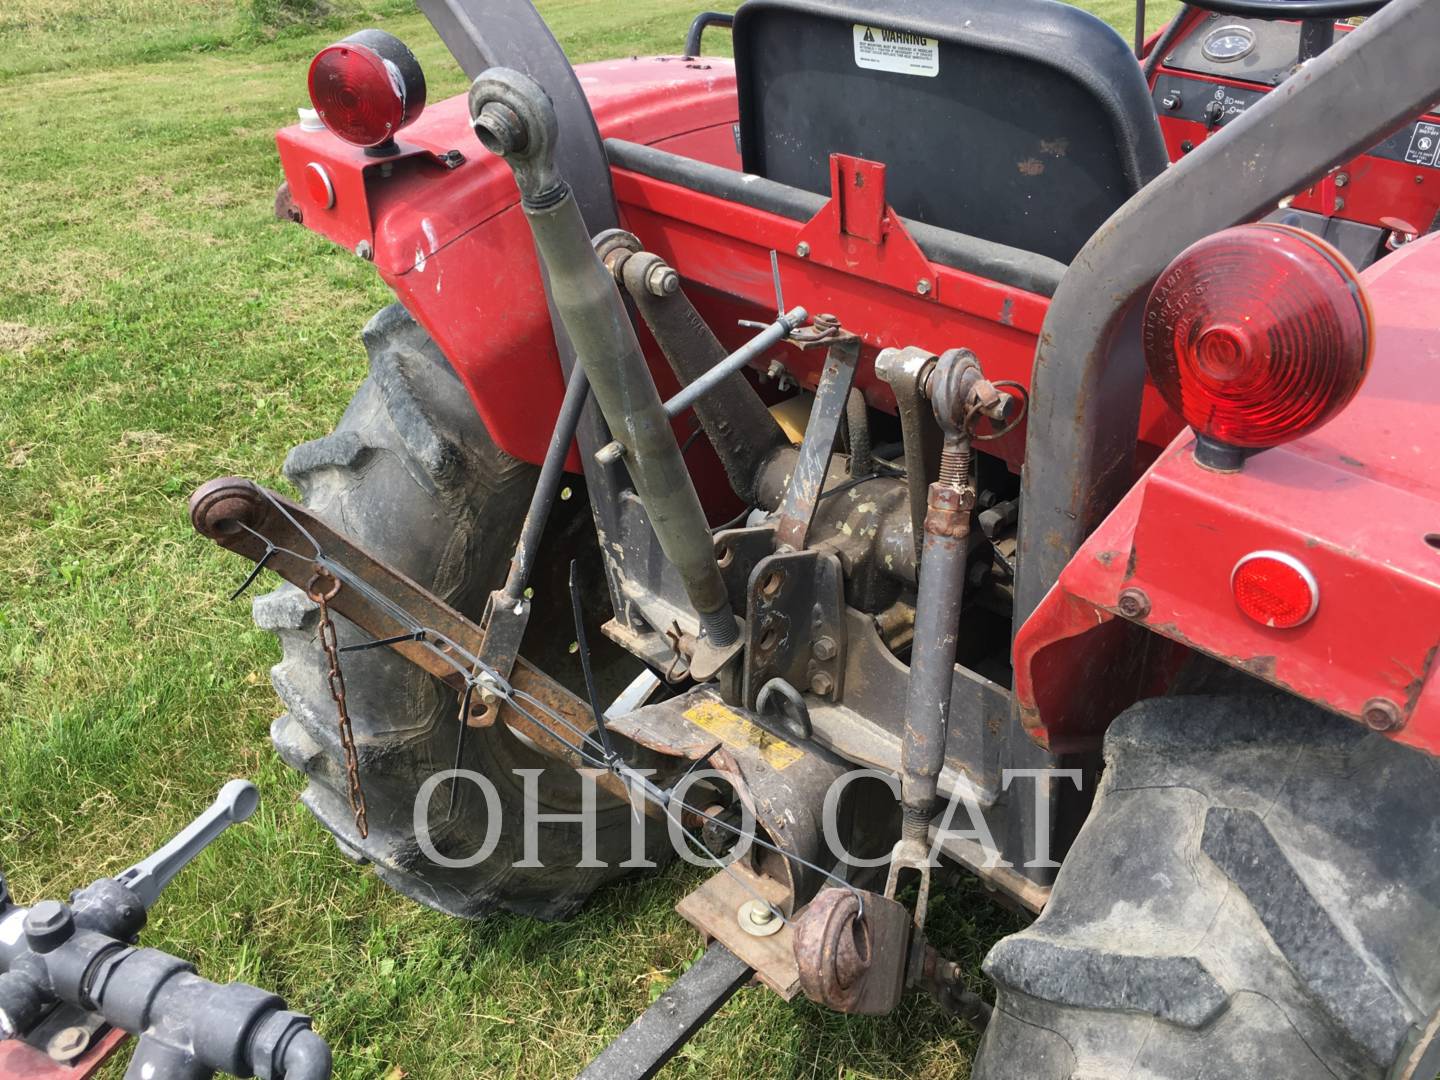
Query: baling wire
{"type": "Point", "coordinates": [475, 671]}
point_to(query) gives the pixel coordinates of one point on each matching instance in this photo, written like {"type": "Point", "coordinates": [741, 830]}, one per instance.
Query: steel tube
{"type": "Point", "coordinates": [515, 119]}
{"type": "Point", "coordinates": [771, 336]}
{"type": "Point", "coordinates": [577, 392]}
{"type": "Point", "coordinates": [932, 658]}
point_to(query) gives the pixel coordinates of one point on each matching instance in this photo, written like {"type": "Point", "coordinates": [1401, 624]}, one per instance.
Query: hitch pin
{"type": "Point", "coordinates": [773, 334]}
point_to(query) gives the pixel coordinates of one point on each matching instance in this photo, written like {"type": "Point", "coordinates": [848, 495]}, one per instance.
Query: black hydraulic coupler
{"type": "Point", "coordinates": [514, 118]}
{"type": "Point", "coordinates": [82, 955]}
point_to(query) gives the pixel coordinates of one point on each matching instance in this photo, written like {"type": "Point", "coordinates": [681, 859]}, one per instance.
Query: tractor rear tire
{"type": "Point", "coordinates": [411, 474]}
{"type": "Point", "coordinates": [1255, 894]}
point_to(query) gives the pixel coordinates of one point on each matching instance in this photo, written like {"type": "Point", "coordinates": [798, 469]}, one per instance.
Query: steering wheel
{"type": "Point", "coordinates": [1291, 9]}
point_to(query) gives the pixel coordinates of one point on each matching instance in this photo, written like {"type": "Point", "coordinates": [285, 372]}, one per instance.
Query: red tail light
{"type": "Point", "coordinates": [1258, 334]}
{"type": "Point", "coordinates": [1275, 589]}
{"type": "Point", "coordinates": [366, 88]}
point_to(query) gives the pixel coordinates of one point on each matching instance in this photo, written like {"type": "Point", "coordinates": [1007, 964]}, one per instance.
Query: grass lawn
{"type": "Point", "coordinates": [158, 328]}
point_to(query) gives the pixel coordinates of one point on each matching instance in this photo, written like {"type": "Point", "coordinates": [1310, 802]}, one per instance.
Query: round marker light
{"type": "Point", "coordinates": [318, 186]}
{"type": "Point", "coordinates": [1257, 335]}
{"type": "Point", "coordinates": [1275, 589]}
{"type": "Point", "coordinates": [366, 88]}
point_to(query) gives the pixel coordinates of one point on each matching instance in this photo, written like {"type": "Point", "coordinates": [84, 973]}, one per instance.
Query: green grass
{"type": "Point", "coordinates": [159, 328]}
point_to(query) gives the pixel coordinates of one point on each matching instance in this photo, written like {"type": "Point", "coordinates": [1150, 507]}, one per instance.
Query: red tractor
{"type": "Point", "coordinates": [1078, 525]}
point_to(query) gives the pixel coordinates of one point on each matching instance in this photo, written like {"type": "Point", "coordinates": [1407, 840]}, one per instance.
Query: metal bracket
{"type": "Point", "coordinates": [906, 371]}
{"type": "Point", "coordinates": [856, 230]}
{"type": "Point", "coordinates": [808, 479]}
{"type": "Point", "coordinates": [796, 613]}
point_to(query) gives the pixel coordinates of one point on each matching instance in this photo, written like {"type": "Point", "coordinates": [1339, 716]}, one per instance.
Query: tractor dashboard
{"type": "Point", "coordinates": [1215, 67]}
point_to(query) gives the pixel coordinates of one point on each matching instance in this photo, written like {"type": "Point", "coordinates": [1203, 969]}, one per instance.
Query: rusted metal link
{"type": "Point", "coordinates": [323, 587]}
{"type": "Point", "coordinates": [850, 949]}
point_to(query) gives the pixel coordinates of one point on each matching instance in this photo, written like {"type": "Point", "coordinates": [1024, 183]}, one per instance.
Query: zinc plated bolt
{"type": "Point", "coordinates": [365, 250]}
{"type": "Point", "coordinates": [802, 249]}
{"type": "Point", "coordinates": [923, 286]}
{"type": "Point", "coordinates": [758, 918]}
{"type": "Point", "coordinates": [662, 280]}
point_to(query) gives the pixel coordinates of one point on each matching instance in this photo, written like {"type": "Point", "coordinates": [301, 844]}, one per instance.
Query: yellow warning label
{"type": "Point", "coordinates": [732, 729]}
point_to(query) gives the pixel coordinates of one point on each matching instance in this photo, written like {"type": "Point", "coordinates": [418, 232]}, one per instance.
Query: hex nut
{"type": "Point", "coordinates": [662, 280]}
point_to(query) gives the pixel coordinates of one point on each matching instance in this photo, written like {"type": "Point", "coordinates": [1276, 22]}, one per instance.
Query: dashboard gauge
{"type": "Point", "coordinates": [1229, 43]}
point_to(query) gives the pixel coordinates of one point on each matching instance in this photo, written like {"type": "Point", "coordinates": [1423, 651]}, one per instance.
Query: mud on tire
{"type": "Point", "coordinates": [411, 473]}
{"type": "Point", "coordinates": [1255, 894]}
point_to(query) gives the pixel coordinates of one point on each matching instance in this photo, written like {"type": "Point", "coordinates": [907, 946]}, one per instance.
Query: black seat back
{"type": "Point", "coordinates": [1025, 122]}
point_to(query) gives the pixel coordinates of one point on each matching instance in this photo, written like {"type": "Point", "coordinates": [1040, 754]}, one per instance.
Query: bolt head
{"type": "Point", "coordinates": [68, 1044]}
{"type": "Point", "coordinates": [821, 683]}
{"type": "Point", "coordinates": [758, 918]}
{"type": "Point", "coordinates": [365, 250]}
{"type": "Point", "coordinates": [802, 249]}
{"type": "Point", "coordinates": [1382, 714]}
{"type": "Point", "coordinates": [824, 648]}
{"type": "Point", "coordinates": [1133, 603]}
{"type": "Point", "coordinates": [923, 286]}
{"type": "Point", "coordinates": [48, 925]}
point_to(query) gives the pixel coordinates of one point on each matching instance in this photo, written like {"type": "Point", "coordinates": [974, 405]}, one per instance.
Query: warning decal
{"type": "Point", "coordinates": [896, 50]}
{"type": "Point", "coordinates": [732, 729]}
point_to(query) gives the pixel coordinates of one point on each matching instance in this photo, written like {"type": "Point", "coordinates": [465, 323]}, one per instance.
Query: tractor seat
{"type": "Point", "coordinates": [1023, 122]}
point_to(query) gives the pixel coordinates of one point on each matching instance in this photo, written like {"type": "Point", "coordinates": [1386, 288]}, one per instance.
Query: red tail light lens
{"type": "Point", "coordinates": [1275, 589]}
{"type": "Point", "coordinates": [367, 87]}
{"type": "Point", "coordinates": [1258, 334]}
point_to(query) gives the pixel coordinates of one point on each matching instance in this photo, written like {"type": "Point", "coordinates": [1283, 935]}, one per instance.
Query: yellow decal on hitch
{"type": "Point", "coordinates": [732, 729]}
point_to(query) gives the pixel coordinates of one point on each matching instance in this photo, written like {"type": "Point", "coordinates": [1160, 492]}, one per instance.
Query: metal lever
{"type": "Point", "coordinates": [147, 878]}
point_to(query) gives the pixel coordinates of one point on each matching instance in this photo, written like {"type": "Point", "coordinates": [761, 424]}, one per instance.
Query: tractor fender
{"type": "Point", "coordinates": [1357, 502]}
{"type": "Point", "coordinates": [442, 223]}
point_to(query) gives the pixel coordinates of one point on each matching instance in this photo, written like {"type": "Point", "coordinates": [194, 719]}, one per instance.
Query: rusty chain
{"type": "Point", "coordinates": [330, 643]}
{"type": "Point", "coordinates": [466, 665]}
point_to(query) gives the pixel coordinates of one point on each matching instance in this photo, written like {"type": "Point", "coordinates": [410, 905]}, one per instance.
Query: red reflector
{"type": "Point", "coordinates": [367, 87]}
{"type": "Point", "coordinates": [318, 186]}
{"type": "Point", "coordinates": [1275, 589]}
{"type": "Point", "coordinates": [1258, 334]}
